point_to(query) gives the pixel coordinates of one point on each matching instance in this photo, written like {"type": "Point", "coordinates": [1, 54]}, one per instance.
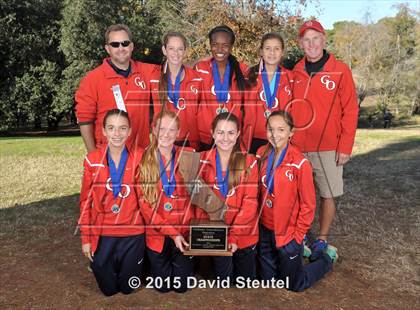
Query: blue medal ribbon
{"type": "Point", "coordinates": [168, 185]}
{"type": "Point", "coordinates": [173, 91]}
{"type": "Point", "coordinates": [222, 183]}
{"type": "Point", "coordinates": [270, 97]}
{"type": "Point", "coordinates": [117, 174]}
{"type": "Point", "coordinates": [270, 169]}
{"type": "Point", "coordinates": [221, 89]}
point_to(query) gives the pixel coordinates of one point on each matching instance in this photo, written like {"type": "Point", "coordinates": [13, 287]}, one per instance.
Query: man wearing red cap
{"type": "Point", "coordinates": [325, 112]}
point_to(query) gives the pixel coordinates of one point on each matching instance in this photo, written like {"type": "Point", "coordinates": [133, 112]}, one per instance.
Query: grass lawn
{"type": "Point", "coordinates": [35, 169]}
{"type": "Point", "coordinates": [377, 232]}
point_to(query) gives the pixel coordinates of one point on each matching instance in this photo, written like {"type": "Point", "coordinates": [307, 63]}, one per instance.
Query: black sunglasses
{"type": "Point", "coordinates": [117, 44]}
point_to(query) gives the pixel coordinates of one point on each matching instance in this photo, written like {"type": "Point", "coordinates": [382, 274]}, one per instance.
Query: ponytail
{"type": "Point", "coordinates": [237, 165]}
{"type": "Point", "coordinates": [236, 69]}
{"type": "Point", "coordinates": [253, 76]}
{"type": "Point", "coordinates": [148, 173]}
{"type": "Point", "coordinates": [163, 84]}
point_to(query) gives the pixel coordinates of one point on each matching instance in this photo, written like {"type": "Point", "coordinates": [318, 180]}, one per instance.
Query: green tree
{"type": "Point", "coordinates": [29, 36]}
{"type": "Point", "coordinates": [382, 55]}
{"type": "Point", "coordinates": [82, 38]}
{"type": "Point", "coordinates": [249, 19]}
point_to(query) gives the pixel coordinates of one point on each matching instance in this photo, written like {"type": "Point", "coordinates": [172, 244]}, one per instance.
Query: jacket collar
{"type": "Point", "coordinates": [290, 154]}
{"type": "Point", "coordinates": [103, 150]}
{"type": "Point", "coordinates": [328, 67]}
{"type": "Point", "coordinates": [110, 72]}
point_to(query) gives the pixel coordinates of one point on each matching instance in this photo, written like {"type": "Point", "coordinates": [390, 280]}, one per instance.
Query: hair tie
{"type": "Point", "coordinates": [260, 69]}
{"type": "Point", "coordinates": [165, 67]}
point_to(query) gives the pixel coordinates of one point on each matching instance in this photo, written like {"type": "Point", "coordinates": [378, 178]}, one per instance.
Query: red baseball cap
{"type": "Point", "coordinates": [311, 24]}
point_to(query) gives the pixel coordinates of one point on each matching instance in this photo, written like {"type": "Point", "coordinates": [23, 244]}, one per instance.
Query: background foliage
{"type": "Point", "coordinates": [48, 45]}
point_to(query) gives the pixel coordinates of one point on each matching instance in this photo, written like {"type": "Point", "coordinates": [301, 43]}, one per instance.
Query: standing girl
{"type": "Point", "coordinates": [111, 226]}
{"type": "Point", "coordinates": [233, 176]}
{"type": "Point", "coordinates": [166, 207]}
{"type": "Point", "coordinates": [176, 87]}
{"type": "Point", "coordinates": [223, 83]}
{"type": "Point", "coordinates": [287, 202]}
{"type": "Point", "coordinates": [269, 90]}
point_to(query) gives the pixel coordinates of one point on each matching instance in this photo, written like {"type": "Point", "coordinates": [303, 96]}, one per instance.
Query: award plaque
{"type": "Point", "coordinates": [207, 237]}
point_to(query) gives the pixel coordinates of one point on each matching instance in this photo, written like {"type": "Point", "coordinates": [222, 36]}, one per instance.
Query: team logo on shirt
{"type": "Point", "coordinates": [289, 175]}
{"type": "Point", "coordinates": [138, 81]}
{"type": "Point", "coordinates": [194, 90]}
{"type": "Point", "coordinates": [124, 192]}
{"type": "Point", "coordinates": [329, 84]}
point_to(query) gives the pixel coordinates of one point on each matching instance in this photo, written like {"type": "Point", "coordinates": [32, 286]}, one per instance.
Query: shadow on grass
{"type": "Point", "coordinates": [34, 220]}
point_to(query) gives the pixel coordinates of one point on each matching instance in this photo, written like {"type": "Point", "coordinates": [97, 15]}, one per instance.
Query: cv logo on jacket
{"type": "Point", "coordinates": [139, 82]}
{"type": "Point", "coordinates": [329, 84]}
{"type": "Point", "coordinates": [194, 90]}
{"type": "Point", "coordinates": [289, 175]}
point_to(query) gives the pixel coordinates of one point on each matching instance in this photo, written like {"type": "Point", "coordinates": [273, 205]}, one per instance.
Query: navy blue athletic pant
{"type": "Point", "coordinates": [116, 260]}
{"type": "Point", "coordinates": [170, 264]}
{"type": "Point", "coordinates": [241, 264]}
{"type": "Point", "coordinates": [286, 261]}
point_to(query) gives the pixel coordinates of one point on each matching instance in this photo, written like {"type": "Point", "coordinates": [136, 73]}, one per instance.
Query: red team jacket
{"type": "Point", "coordinates": [188, 102]}
{"type": "Point", "coordinates": [97, 217]}
{"type": "Point", "coordinates": [95, 97]}
{"type": "Point", "coordinates": [325, 108]}
{"type": "Point", "coordinates": [208, 101]}
{"type": "Point", "coordinates": [293, 202]}
{"type": "Point", "coordinates": [241, 214]}
{"type": "Point", "coordinates": [161, 221]}
{"type": "Point", "coordinates": [255, 105]}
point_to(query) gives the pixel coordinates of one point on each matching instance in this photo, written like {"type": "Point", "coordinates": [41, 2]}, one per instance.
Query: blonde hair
{"type": "Point", "coordinates": [148, 172]}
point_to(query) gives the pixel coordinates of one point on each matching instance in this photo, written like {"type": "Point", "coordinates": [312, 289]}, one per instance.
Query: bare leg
{"type": "Point", "coordinates": [326, 217]}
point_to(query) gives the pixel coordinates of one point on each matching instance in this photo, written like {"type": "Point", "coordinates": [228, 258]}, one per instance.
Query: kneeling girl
{"type": "Point", "coordinates": [112, 228]}
{"type": "Point", "coordinates": [287, 206]}
{"type": "Point", "coordinates": [166, 207]}
{"type": "Point", "coordinates": [233, 176]}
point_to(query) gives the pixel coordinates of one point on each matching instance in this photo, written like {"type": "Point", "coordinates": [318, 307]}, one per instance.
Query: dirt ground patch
{"type": "Point", "coordinates": [377, 232]}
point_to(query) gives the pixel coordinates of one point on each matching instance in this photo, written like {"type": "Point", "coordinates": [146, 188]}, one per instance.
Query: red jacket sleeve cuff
{"type": "Point", "coordinates": [85, 238]}
{"type": "Point", "coordinates": [232, 239]}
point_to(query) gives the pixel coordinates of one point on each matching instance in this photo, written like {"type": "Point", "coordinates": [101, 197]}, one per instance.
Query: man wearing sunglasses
{"type": "Point", "coordinates": [119, 82]}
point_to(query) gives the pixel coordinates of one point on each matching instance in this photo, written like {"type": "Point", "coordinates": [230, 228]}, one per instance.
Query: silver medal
{"type": "Point", "coordinates": [269, 203]}
{"type": "Point", "coordinates": [115, 209]}
{"type": "Point", "coordinates": [167, 206]}
{"type": "Point", "coordinates": [267, 113]}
